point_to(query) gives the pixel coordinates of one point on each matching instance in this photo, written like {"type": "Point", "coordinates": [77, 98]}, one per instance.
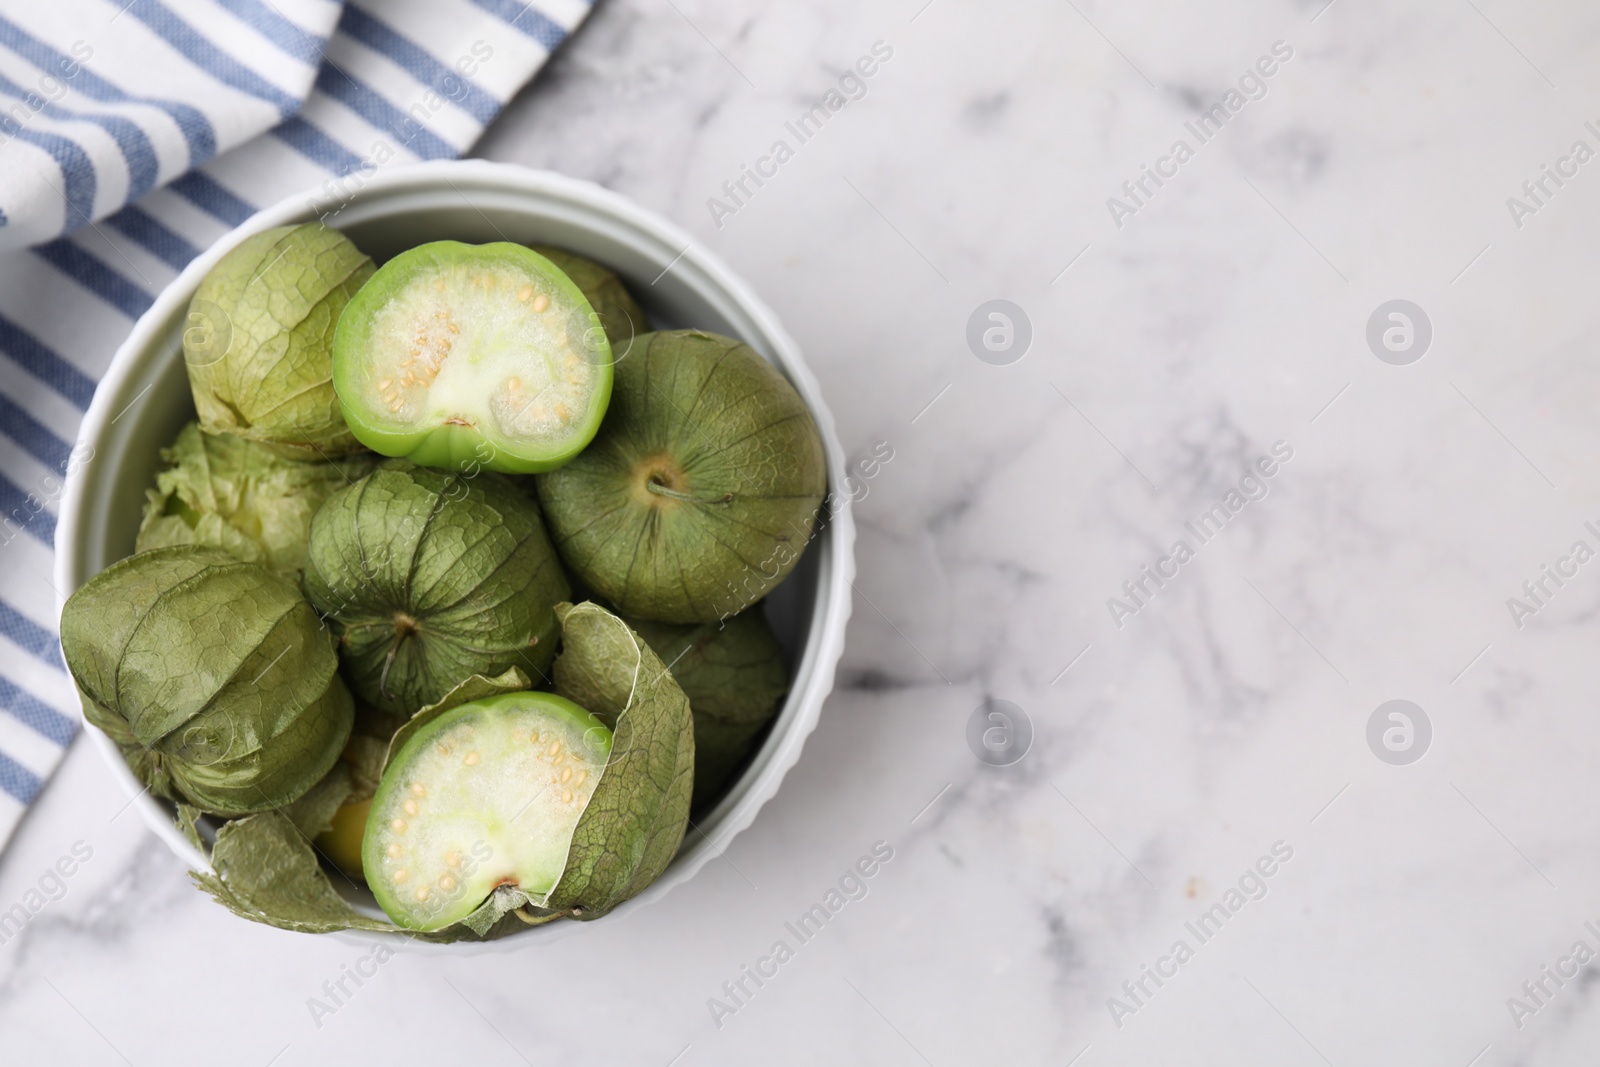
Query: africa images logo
{"type": "Point", "coordinates": [851, 886]}
{"type": "Point", "coordinates": [1253, 485]}
{"type": "Point", "coordinates": [851, 86]}
{"type": "Point", "coordinates": [1251, 886]}
{"type": "Point", "coordinates": [1252, 86]}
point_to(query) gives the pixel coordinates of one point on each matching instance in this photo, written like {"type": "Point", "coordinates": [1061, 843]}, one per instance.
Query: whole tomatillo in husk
{"type": "Point", "coordinates": [619, 313]}
{"type": "Point", "coordinates": [259, 335]}
{"type": "Point", "coordinates": [702, 487]}
{"type": "Point", "coordinates": [735, 677]}
{"type": "Point", "coordinates": [431, 576]}
{"type": "Point", "coordinates": [472, 357]}
{"type": "Point", "coordinates": [233, 493]}
{"type": "Point", "coordinates": [214, 675]}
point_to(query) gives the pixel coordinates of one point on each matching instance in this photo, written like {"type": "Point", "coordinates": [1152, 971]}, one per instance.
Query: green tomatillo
{"type": "Point", "coordinates": [702, 488]}
{"type": "Point", "coordinates": [214, 676]}
{"type": "Point", "coordinates": [472, 357]}
{"type": "Point", "coordinates": [257, 340]}
{"type": "Point", "coordinates": [619, 313]}
{"type": "Point", "coordinates": [241, 495]}
{"type": "Point", "coordinates": [735, 677]}
{"type": "Point", "coordinates": [551, 806]}
{"type": "Point", "coordinates": [431, 576]}
{"type": "Point", "coordinates": [483, 795]}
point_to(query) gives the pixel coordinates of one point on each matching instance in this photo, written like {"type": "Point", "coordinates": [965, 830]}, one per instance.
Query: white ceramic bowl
{"type": "Point", "coordinates": [144, 400]}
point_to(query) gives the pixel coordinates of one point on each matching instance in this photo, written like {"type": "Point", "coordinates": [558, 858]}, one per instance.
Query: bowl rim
{"type": "Point", "coordinates": [825, 643]}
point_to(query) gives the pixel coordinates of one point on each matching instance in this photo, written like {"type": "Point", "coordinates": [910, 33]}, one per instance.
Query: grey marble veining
{"type": "Point", "coordinates": [1227, 715]}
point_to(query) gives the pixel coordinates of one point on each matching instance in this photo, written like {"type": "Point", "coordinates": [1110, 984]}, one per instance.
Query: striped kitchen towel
{"type": "Point", "coordinates": [133, 133]}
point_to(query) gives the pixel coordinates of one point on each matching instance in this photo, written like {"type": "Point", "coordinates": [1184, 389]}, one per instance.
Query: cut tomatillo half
{"type": "Point", "coordinates": [486, 794]}
{"type": "Point", "coordinates": [472, 357]}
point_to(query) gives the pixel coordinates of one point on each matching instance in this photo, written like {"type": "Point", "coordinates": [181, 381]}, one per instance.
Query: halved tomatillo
{"type": "Point", "coordinates": [487, 794]}
{"type": "Point", "coordinates": [472, 357]}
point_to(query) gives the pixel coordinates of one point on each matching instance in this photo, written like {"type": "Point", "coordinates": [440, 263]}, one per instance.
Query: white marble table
{"type": "Point", "coordinates": [1225, 717]}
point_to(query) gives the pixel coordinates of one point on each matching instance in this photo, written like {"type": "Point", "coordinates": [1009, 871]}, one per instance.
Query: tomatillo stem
{"type": "Point", "coordinates": [689, 498]}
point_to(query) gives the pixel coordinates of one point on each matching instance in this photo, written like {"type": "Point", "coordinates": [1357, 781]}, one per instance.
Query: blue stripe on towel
{"type": "Point", "coordinates": [379, 112]}
{"type": "Point", "coordinates": [162, 242]}
{"type": "Point", "coordinates": [268, 21]}
{"type": "Point", "coordinates": [418, 62]}
{"type": "Point", "coordinates": [45, 364]}
{"type": "Point", "coordinates": [212, 197]}
{"type": "Point", "coordinates": [21, 510]}
{"type": "Point", "coordinates": [77, 171]}
{"type": "Point", "coordinates": [34, 713]}
{"type": "Point", "coordinates": [200, 50]}
{"type": "Point", "coordinates": [196, 128]}
{"type": "Point", "coordinates": [18, 780]}
{"type": "Point", "coordinates": [317, 146]}
{"type": "Point", "coordinates": [137, 153]}
{"type": "Point", "coordinates": [36, 439]}
{"type": "Point", "coordinates": [30, 636]}
{"type": "Point", "coordinates": [521, 16]}
{"type": "Point", "coordinates": [96, 277]}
